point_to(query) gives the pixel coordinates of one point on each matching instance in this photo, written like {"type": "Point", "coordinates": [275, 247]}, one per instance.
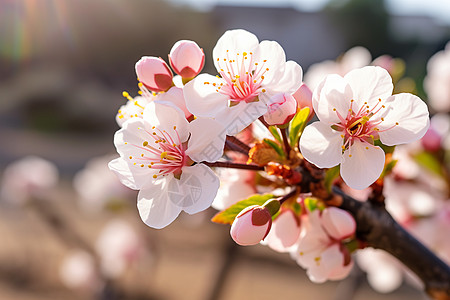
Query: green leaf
{"type": "Point", "coordinates": [388, 168]}
{"type": "Point", "coordinates": [428, 161]}
{"type": "Point", "coordinates": [330, 176]}
{"type": "Point", "coordinates": [274, 131]}
{"type": "Point", "coordinates": [228, 215]}
{"type": "Point", "coordinates": [297, 125]}
{"type": "Point", "coordinates": [275, 146]}
{"type": "Point", "coordinates": [312, 204]}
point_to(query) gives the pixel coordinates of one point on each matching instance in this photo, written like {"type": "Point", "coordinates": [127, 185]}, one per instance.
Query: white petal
{"type": "Point", "coordinates": [335, 96]}
{"type": "Point", "coordinates": [155, 208]}
{"type": "Point", "coordinates": [134, 178]}
{"type": "Point", "coordinates": [175, 96]}
{"type": "Point", "coordinates": [207, 140]}
{"type": "Point", "coordinates": [232, 42]}
{"type": "Point", "coordinates": [201, 96]}
{"type": "Point", "coordinates": [166, 116]}
{"type": "Point", "coordinates": [195, 190]}
{"type": "Point", "coordinates": [363, 167]}
{"type": "Point", "coordinates": [275, 59]}
{"type": "Point", "coordinates": [321, 145]}
{"type": "Point", "coordinates": [284, 232]}
{"type": "Point", "coordinates": [291, 79]}
{"type": "Point", "coordinates": [369, 84]}
{"type": "Point", "coordinates": [411, 114]}
{"type": "Point", "coordinates": [133, 132]}
{"type": "Point", "coordinates": [327, 262]}
{"type": "Point", "coordinates": [338, 223]}
{"type": "Point", "coordinates": [237, 117]}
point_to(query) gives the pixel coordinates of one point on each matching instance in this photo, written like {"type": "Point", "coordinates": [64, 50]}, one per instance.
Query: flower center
{"type": "Point", "coordinates": [163, 152]}
{"type": "Point", "coordinates": [357, 125]}
{"type": "Point", "coordinates": [242, 77]}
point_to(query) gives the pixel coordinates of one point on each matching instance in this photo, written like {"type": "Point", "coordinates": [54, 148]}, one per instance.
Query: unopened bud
{"type": "Point", "coordinates": [338, 223]}
{"type": "Point", "coordinates": [251, 225]}
{"type": "Point", "coordinates": [303, 96]}
{"type": "Point", "coordinates": [154, 73]}
{"type": "Point", "coordinates": [186, 58]}
{"type": "Point", "coordinates": [281, 110]}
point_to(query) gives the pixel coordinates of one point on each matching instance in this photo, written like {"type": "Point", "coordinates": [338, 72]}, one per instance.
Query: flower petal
{"type": "Point", "coordinates": [335, 95]}
{"type": "Point", "coordinates": [196, 189]}
{"type": "Point", "coordinates": [207, 140]}
{"type": "Point", "coordinates": [175, 96]}
{"type": "Point", "coordinates": [338, 223]}
{"type": "Point", "coordinates": [284, 232]}
{"type": "Point", "coordinates": [166, 116]}
{"type": "Point", "coordinates": [270, 55]}
{"type": "Point", "coordinates": [321, 145]}
{"type": "Point", "coordinates": [237, 117]}
{"type": "Point", "coordinates": [201, 96]}
{"type": "Point", "coordinates": [232, 42]}
{"type": "Point", "coordinates": [155, 208]}
{"type": "Point", "coordinates": [369, 84]}
{"type": "Point", "coordinates": [134, 178]}
{"type": "Point", "coordinates": [291, 79]}
{"type": "Point", "coordinates": [361, 165]}
{"type": "Point", "coordinates": [326, 263]}
{"type": "Point", "coordinates": [411, 114]}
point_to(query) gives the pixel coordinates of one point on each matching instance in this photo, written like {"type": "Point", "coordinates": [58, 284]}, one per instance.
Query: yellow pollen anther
{"type": "Point", "coordinates": [334, 109]}
{"type": "Point", "coordinates": [131, 157]}
{"type": "Point", "coordinates": [125, 94]}
{"type": "Point", "coordinates": [174, 127]}
{"type": "Point", "coordinates": [164, 155]}
{"type": "Point", "coordinates": [149, 166]}
{"type": "Point", "coordinates": [263, 90]}
{"type": "Point", "coordinates": [396, 123]}
{"type": "Point", "coordinates": [142, 155]}
{"type": "Point", "coordinates": [349, 155]}
{"type": "Point", "coordinates": [154, 176]}
{"type": "Point", "coordinates": [142, 165]}
{"type": "Point", "coordinates": [244, 53]}
{"type": "Point", "coordinates": [382, 119]}
{"type": "Point", "coordinates": [367, 148]}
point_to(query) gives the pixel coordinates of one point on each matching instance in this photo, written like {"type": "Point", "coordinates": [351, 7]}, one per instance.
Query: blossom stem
{"type": "Point", "coordinates": [288, 195]}
{"type": "Point", "coordinates": [264, 122]}
{"type": "Point", "coordinates": [237, 145]}
{"type": "Point", "coordinates": [226, 164]}
{"type": "Point", "coordinates": [287, 147]}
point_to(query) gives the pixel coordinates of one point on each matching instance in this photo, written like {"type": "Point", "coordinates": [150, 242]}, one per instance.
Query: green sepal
{"type": "Point", "coordinates": [228, 215]}
{"type": "Point", "coordinates": [275, 146]}
{"type": "Point", "coordinates": [388, 168]}
{"type": "Point", "coordinates": [386, 149]}
{"type": "Point", "coordinates": [330, 175]}
{"type": "Point", "coordinates": [297, 125]}
{"type": "Point", "coordinates": [274, 131]}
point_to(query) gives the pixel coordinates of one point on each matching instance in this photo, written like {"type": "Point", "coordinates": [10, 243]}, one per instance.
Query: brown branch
{"type": "Point", "coordinates": [225, 164]}
{"type": "Point", "coordinates": [378, 229]}
{"type": "Point", "coordinates": [237, 145]}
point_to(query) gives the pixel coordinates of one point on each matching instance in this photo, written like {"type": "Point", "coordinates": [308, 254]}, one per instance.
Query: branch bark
{"type": "Point", "coordinates": [378, 229]}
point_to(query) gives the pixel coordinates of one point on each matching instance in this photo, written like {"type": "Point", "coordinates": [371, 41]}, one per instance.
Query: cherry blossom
{"type": "Point", "coordinates": [154, 73]}
{"type": "Point", "coordinates": [319, 249]}
{"type": "Point", "coordinates": [354, 111]}
{"type": "Point", "coordinates": [285, 231]}
{"type": "Point", "coordinates": [251, 73]}
{"type": "Point", "coordinates": [157, 155]}
{"type": "Point", "coordinates": [281, 109]}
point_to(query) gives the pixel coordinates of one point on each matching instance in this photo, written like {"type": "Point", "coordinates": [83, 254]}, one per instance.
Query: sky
{"type": "Point", "coordinates": [439, 9]}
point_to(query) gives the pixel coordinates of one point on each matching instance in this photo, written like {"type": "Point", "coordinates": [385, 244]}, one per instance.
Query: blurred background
{"type": "Point", "coordinates": [63, 67]}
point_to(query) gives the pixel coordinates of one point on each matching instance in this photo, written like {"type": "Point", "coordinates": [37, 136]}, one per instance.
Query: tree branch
{"type": "Point", "coordinates": [378, 229]}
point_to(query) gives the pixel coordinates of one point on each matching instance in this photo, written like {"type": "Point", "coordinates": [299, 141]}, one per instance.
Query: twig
{"type": "Point", "coordinates": [226, 164]}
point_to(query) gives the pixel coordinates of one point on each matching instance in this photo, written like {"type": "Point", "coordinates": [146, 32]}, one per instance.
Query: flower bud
{"type": "Point", "coordinates": [281, 110]}
{"type": "Point", "coordinates": [186, 58]}
{"type": "Point", "coordinates": [303, 96]}
{"type": "Point", "coordinates": [431, 141]}
{"type": "Point", "coordinates": [154, 73]}
{"type": "Point", "coordinates": [251, 225]}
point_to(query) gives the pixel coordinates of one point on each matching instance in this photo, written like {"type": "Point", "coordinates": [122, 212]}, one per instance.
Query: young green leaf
{"type": "Point", "coordinates": [297, 125]}
{"type": "Point", "coordinates": [275, 146]}
{"type": "Point", "coordinates": [228, 215]}
{"type": "Point", "coordinates": [330, 176]}
{"type": "Point", "coordinates": [274, 131]}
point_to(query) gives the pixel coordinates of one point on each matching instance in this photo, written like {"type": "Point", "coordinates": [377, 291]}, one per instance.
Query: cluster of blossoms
{"type": "Point", "coordinates": [252, 118]}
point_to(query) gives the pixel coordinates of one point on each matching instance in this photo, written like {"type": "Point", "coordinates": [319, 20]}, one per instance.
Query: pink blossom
{"type": "Point", "coordinates": [251, 225]}
{"type": "Point", "coordinates": [186, 58]}
{"type": "Point", "coordinates": [285, 231]}
{"type": "Point", "coordinates": [154, 73]}
{"type": "Point", "coordinates": [353, 112]}
{"type": "Point", "coordinates": [319, 249]}
{"type": "Point", "coordinates": [304, 98]}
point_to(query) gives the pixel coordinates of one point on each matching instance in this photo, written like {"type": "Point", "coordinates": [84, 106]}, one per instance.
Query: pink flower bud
{"type": "Point", "coordinates": [304, 98]}
{"type": "Point", "coordinates": [154, 73]}
{"type": "Point", "coordinates": [186, 58]}
{"type": "Point", "coordinates": [338, 223]}
{"type": "Point", "coordinates": [251, 225]}
{"type": "Point", "coordinates": [431, 141]}
{"type": "Point", "coordinates": [281, 110]}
